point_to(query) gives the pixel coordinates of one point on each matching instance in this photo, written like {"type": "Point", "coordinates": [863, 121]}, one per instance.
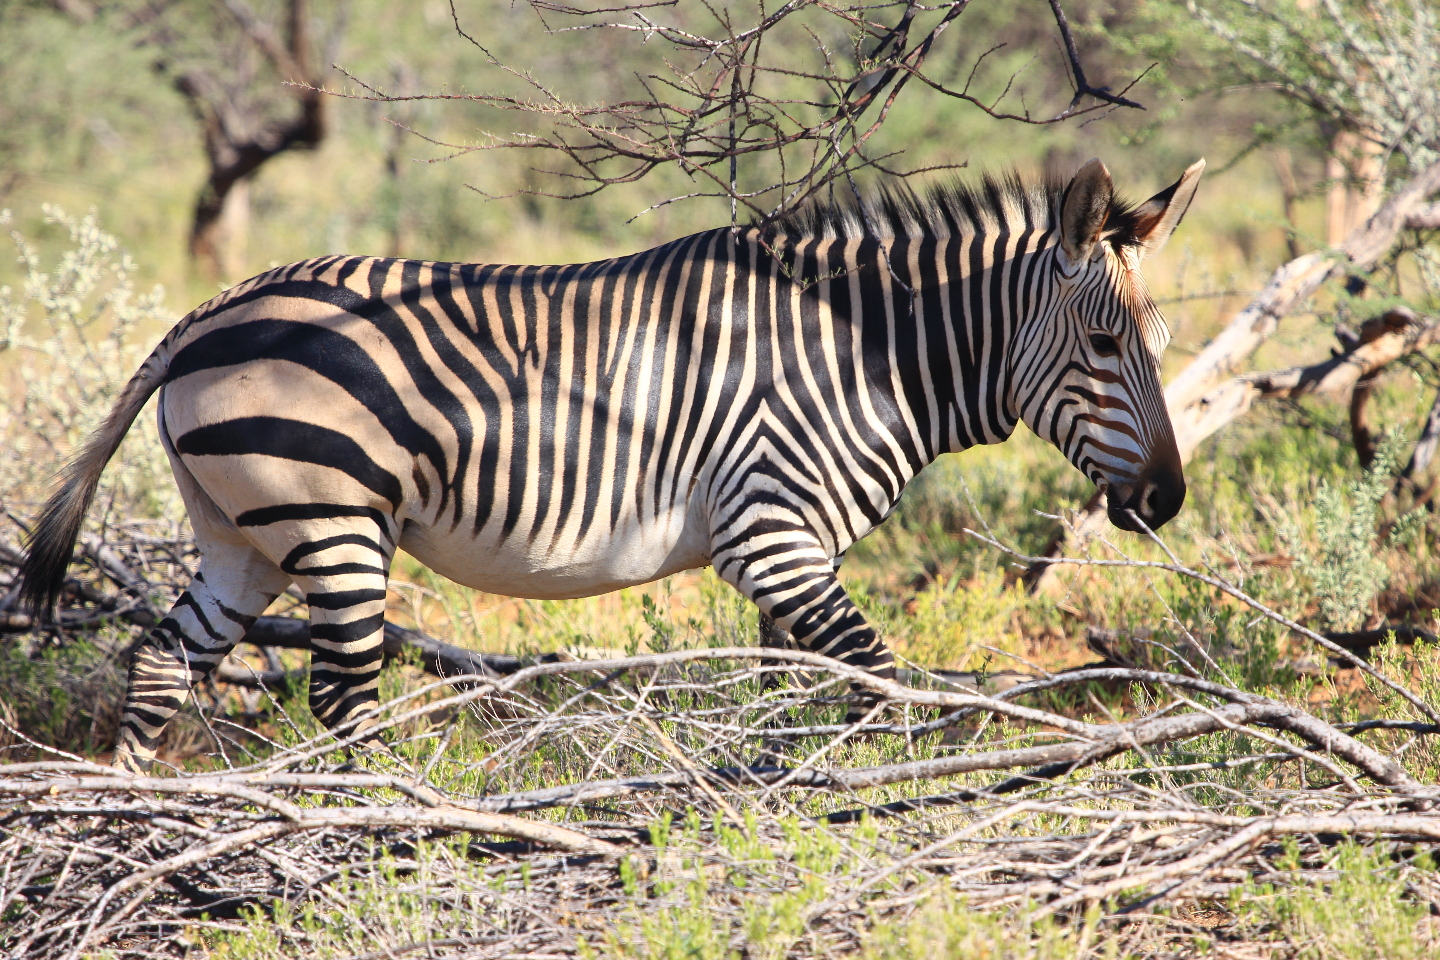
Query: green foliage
{"type": "Point", "coordinates": [1364, 912]}
{"type": "Point", "coordinates": [1363, 65]}
{"type": "Point", "coordinates": [946, 927]}
{"type": "Point", "coordinates": [61, 694]}
{"type": "Point", "coordinates": [1339, 559]}
{"type": "Point", "coordinates": [74, 335]}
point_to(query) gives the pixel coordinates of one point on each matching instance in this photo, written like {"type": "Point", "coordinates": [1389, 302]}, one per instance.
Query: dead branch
{"type": "Point", "coordinates": [436, 657]}
{"type": "Point", "coordinates": [1289, 287]}
{"type": "Point", "coordinates": [1382, 341]}
{"type": "Point", "coordinates": [763, 113]}
{"type": "Point", "coordinates": [1363, 641]}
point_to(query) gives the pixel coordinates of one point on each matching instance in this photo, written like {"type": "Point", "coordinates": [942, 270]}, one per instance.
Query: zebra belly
{"type": "Point", "coordinates": [630, 555]}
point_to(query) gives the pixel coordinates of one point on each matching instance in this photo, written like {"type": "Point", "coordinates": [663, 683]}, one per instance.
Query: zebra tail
{"type": "Point", "coordinates": [52, 541]}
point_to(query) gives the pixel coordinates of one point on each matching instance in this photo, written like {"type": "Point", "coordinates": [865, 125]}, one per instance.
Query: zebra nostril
{"type": "Point", "coordinates": [1147, 500]}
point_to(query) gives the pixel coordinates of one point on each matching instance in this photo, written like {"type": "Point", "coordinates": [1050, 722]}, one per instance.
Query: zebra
{"type": "Point", "coordinates": [754, 399]}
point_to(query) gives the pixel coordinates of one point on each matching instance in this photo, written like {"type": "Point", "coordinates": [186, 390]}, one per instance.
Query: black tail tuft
{"type": "Point", "coordinates": [52, 542]}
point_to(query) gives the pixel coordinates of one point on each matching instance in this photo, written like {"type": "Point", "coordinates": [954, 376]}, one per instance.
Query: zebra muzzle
{"type": "Point", "coordinates": [1154, 498]}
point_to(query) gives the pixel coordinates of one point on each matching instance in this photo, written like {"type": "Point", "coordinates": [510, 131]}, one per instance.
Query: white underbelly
{"type": "Point", "coordinates": [605, 560]}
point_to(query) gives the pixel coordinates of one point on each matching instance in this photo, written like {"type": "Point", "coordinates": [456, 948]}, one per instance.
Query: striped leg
{"type": "Point", "coordinates": [795, 584]}
{"type": "Point", "coordinates": [343, 577]}
{"type": "Point", "coordinates": [773, 637]}
{"type": "Point", "coordinates": [233, 586]}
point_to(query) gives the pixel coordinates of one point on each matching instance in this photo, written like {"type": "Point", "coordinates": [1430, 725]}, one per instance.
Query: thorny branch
{"type": "Point", "coordinates": [799, 95]}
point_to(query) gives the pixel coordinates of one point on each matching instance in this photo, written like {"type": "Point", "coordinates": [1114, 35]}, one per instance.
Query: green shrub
{"type": "Point", "coordinates": [73, 336]}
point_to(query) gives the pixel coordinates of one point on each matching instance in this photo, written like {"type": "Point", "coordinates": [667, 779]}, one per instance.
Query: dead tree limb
{"type": "Point", "coordinates": [1289, 287]}
{"type": "Point", "coordinates": [1382, 341]}
{"type": "Point", "coordinates": [437, 657]}
{"type": "Point", "coordinates": [762, 108]}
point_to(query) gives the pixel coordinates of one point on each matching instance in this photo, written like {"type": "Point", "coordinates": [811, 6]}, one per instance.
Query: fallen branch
{"type": "Point", "coordinates": [1362, 641]}
{"type": "Point", "coordinates": [437, 657]}
{"type": "Point", "coordinates": [1090, 742]}
{"type": "Point", "coordinates": [1382, 341]}
{"type": "Point", "coordinates": [1290, 286]}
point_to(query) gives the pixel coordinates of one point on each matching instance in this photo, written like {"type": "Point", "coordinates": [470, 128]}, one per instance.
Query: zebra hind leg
{"type": "Point", "coordinates": [233, 586]}
{"type": "Point", "coordinates": [344, 579]}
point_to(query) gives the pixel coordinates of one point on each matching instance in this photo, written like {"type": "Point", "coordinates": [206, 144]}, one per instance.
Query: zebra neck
{"type": "Point", "coordinates": [936, 318]}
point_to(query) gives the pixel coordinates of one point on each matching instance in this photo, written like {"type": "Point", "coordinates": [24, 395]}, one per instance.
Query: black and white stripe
{"type": "Point", "coordinates": [752, 399]}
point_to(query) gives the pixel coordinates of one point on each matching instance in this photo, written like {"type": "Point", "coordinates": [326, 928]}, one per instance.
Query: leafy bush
{"type": "Point", "coordinates": [1339, 562]}
{"type": "Point", "coordinates": [75, 335]}
{"type": "Point", "coordinates": [1364, 912]}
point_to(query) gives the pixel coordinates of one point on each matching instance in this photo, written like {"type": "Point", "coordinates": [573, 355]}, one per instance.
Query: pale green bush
{"type": "Point", "coordinates": [1341, 562]}
{"type": "Point", "coordinates": [70, 338]}
{"type": "Point", "coordinates": [1364, 912]}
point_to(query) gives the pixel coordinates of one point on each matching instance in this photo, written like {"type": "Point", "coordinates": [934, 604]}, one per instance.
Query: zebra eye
{"type": "Point", "coordinates": [1104, 344]}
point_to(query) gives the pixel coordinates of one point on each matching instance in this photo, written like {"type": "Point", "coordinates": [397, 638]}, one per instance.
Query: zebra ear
{"type": "Point", "coordinates": [1158, 217]}
{"type": "Point", "coordinates": [1083, 213]}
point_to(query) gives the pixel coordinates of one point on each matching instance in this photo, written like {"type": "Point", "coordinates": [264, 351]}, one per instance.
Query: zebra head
{"type": "Point", "coordinates": [1086, 371]}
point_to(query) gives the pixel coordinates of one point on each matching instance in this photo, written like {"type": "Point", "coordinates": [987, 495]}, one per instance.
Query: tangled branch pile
{"type": "Point", "coordinates": [709, 797]}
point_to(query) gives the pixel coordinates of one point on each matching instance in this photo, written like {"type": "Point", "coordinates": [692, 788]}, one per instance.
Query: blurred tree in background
{"type": "Point", "coordinates": [252, 85]}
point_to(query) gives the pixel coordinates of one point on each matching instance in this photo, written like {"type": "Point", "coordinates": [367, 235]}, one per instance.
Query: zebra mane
{"type": "Point", "coordinates": [1003, 202]}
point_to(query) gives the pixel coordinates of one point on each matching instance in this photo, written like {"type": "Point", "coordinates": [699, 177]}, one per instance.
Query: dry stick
{"type": "Point", "coordinates": [1160, 725]}
{"type": "Point", "coordinates": [1102, 741]}
{"type": "Point", "coordinates": [327, 818]}
{"type": "Point", "coordinates": [439, 813]}
{"type": "Point", "coordinates": [343, 737]}
{"type": "Point", "coordinates": [1383, 340]}
{"type": "Point", "coordinates": [1060, 758]}
{"type": "Point", "coordinates": [437, 657]}
{"type": "Point", "coordinates": [1427, 828]}
{"type": "Point", "coordinates": [697, 776]}
{"type": "Point", "coordinates": [1199, 403]}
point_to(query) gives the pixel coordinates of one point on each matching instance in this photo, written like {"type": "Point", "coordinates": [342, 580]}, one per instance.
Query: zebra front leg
{"type": "Point", "coordinates": [233, 586]}
{"type": "Point", "coordinates": [773, 749]}
{"type": "Point", "coordinates": [773, 637]}
{"type": "Point", "coordinates": [799, 590]}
